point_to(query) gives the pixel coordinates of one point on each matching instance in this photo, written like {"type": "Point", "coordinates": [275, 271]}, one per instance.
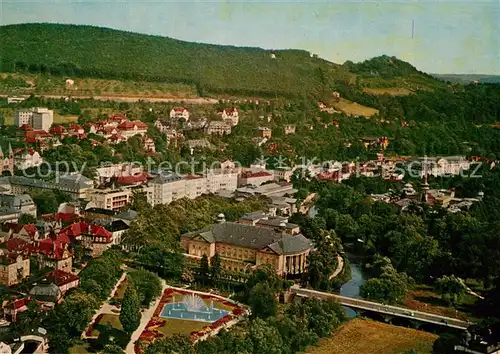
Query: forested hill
{"type": "Point", "coordinates": [87, 51]}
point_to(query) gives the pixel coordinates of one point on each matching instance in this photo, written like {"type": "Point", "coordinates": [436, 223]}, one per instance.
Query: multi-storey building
{"type": "Point", "coordinates": [167, 187]}
{"type": "Point", "coordinates": [223, 178]}
{"type": "Point", "coordinates": [13, 268]}
{"type": "Point", "coordinates": [243, 247]}
{"type": "Point", "coordinates": [111, 199]}
{"type": "Point", "coordinates": [74, 184]}
{"type": "Point", "coordinates": [23, 117]}
{"type": "Point", "coordinates": [195, 186]}
{"type": "Point", "coordinates": [42, 119]}
{"type": "Point", "coordinates": [230, 115]}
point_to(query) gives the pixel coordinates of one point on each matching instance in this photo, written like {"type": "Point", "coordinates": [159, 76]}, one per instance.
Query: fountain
{"type": "Point", "coordinates": [192, 307]}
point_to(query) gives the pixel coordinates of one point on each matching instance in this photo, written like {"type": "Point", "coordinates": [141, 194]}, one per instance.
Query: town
{"type": "Point", "coordinates": [159, 194]}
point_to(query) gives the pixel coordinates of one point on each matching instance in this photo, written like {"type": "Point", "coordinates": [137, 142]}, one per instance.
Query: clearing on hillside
{"type": "Point", "coordinates": [369, 337]}
{"type": "Point", "coordinates": [354, 109]}
{"type": "Point", "coordinates": [393, 91]}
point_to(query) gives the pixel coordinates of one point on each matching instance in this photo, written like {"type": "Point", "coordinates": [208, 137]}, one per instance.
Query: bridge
{"type": "Point", "coordinates": [386, 310]}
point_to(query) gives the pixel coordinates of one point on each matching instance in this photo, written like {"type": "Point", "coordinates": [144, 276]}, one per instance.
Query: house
{"type": "Point", "coordinates": [95, 238]}
{"type": "Point", "coordinates": [13, 268]}
{"type": "Point", "coordinates": [111, 198]}
{"type": "Point", "coordinates": [27, 158]}
{"type": "Point", "coordinates": [265, 132]}
{"type": "Point", "coordinates": [289, 129]}
{"type": "Point", "coordinates": [58, 130]}
{"type": "Point", "coordinates": [13, 308]}
{"type": "Point", "coordinates": [128, 129]}
{"type": "Point", "coordinates": [262, 219]}
{"type": "Point", "coordinates": [179, 113]}
{"type": "Point", "coordinates": [243, 247]}
{"type": "Point", "coordinates": [64, 280]}
{"type": "Point", "coordinates": [76, 130]}
{"type": "Point", "coordinates": [22, 204]}
{"type": "Point", "coordinates": [7, 162]}
{"type": "Point", "coordinates": [199, 143]}
{"type": "Point", "coordinates": [149, 144]}
{"type": "Point", "coordinates": [218, 127]}
{"type": "Point", "coordinates": [283, 174]}
{"type": "Point", "coordinates": [53, 252]}
{"type": "Point", "coordinates": [229, 115]}
{"type": "Point", "coordinates": [46, 294]}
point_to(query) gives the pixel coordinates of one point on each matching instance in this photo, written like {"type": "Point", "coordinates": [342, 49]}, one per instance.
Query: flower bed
{"type": "Point", "coordinates": [157, 325]}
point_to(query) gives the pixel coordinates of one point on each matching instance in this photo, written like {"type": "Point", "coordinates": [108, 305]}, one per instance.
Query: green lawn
{"type": "Point", "coordinates": [107, 320]}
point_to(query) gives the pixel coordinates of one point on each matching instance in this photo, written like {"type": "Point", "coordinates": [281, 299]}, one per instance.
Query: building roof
{"type": "Point", "coordinates": [127, 215]}
{"type": "Point", "coordinates": [249, 236]}
{"type": "Point", "coordinates": [167, 177]}
{"type": "Point", "coordinates": [61, 278]}
{"type": "Point", "coordinates": [46, 292]}
{"type": "Point", "coordinates": [256, 215]}
{"type": "Point", "coordinates": [179, 109]}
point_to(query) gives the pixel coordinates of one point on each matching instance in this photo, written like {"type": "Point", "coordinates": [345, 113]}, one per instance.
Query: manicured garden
{"type": "Point", "coordinates": [159, 327]}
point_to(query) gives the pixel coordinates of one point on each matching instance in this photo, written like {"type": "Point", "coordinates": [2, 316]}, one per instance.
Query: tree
{"type": "Point", "coordinates": [263, 301]}
{"type": "Point", "coordinates": [147, 284]}
{"type": "Point", "coordinates": [159, 259]}
{"type": "Point", "coordinates": [172, 345]}
{"type": "Point", "coordinates": [112, 349]}
{"type": "Point", "coordinates": [265, 338]}
{"type": "Point", "coordinates": [451, 288]}
{"type": "Point", "coordinates": [204, 269]}
{"type": "Point", "coordinates": [216, 268]}
{"type": "Point", "coordinates": [25, 219]}
{"type": "Point", "coordinates": [130, 315]}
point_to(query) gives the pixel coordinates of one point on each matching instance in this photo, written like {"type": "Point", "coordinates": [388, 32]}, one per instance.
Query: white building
{"type": "Point", "coordinates": [179, 112]}
{"type": "Point", "coordinates": [29, 158]}
{"type": "Point", "coordinates": [42, 119]}
{"type": "Point", "coordinates": [23, 116]}
{"type": "Point", "coordinates": [218, 127]}
{"type": "Point", "coordinates": [110, 199]}
{"type": "Point", "coordinates": [195, 186]}
{"type": "Point", "coordinates": [224, 178]}
{"type": "Point", "coordinates": [167, 187]}
{"type": "Point", "coordinates": [11, 100]}
{"type": "Point", "coordinates": [230, 115]}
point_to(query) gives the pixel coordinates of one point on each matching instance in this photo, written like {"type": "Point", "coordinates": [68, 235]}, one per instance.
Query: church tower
{"type": "Point", "coordinates": [425, 186]}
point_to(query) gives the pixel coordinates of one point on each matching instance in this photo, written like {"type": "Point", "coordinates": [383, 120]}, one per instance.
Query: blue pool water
{"type": "Point", "coordinates": [178, 310]}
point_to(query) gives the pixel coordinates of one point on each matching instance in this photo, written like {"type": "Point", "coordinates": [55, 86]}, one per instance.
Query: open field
{"type": "Point", "coordinates": [56, 85]}
{"type": "Point", "coordinates": [354, 109]}
{"type": "Point", "coordinates": [393, 91]}
{"type": "Point", "coordinates": [369, 337]}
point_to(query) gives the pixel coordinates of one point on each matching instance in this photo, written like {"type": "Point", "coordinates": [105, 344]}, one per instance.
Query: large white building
{"type": "Point", "coordinates": [27, 159]}
{"type": "Point", "coordinates": [42, 119]}
{"type": "Point", "coordinates": [179, 112]}
{"type": "Point", "coordinates": [39, 118]}
{"type": "Point", "coordinates": [168, 187]}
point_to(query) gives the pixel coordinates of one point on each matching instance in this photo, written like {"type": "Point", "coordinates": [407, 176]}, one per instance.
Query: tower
{"type": "Point", "coordinates": [425, 186]}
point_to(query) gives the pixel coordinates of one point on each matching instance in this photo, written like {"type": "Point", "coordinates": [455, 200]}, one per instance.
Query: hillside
{"type": "Point", "coordinates": [101, 53]}
{"type": "Point", "coordinates": [110, 54]}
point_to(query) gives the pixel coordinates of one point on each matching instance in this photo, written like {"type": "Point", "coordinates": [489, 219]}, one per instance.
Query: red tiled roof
{"type": "Point", "coordinates": [84, 228]}
{"type": "Point", "coordinates": [189, 177]}
{"type": "Point", "coordinates": [132, 179]}
{"type": "Point", "coordinates": [117, 117]}
{"type": "Point", "coordinates": [250, 174]}
{"type": "Point", "coordinates": [26, 127]}
{"type": "Point", "coordinates": [130, 125]}
{"type": "Point", "coordinates": [60, 277]}
{"type": "Point", "coordinates": [74, 126]}
{"type": "Point", "coordinates": [15, 244]}
{"type": "Point", "coordinates": [57, 129]}
{"type": "Point", "coordinates": [179, 109]}
{"type": "Point", "coordinates": [19, 303]}
{"type": "Point", "coordinates": [31, 229]}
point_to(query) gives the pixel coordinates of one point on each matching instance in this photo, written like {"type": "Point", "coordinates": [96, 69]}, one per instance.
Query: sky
{"type": "Point", "coordinates": [435, 36]}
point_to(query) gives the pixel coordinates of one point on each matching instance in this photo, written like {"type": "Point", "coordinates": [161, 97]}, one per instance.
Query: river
{"type": "Point", "coordinates": [351, 288]}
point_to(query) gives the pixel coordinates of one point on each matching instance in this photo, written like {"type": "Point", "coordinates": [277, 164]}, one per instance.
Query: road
{"type": "Point", "coordinates": [130, 99]}
{"type": "Point", "coordinates": [384, 309]}
{"type": "Point", "coordinates": [340, 266]}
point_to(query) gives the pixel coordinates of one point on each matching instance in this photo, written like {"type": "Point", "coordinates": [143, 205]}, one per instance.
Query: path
{"type": "Point", "coordinates": [146, 316]}
{"type": "Point", "coordinates": [130, 99]}
{"type": "Point", "coordinates": [340, 266]}
{"type": "Point", "coordinates": [306, 204]}
{"type": "Point", "coordinates": [106, 308]}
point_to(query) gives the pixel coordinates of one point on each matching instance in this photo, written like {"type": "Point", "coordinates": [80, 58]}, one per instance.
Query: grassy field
{"type": "Point", "coordinates": [394, 91]}
{"type": "Point", "coordinates": [354, 109]}
{"type": "Point", "coordinates": [108, 320]}
{"type": "Point", "coordinates": [369, 337]}
{"type": "Point", "coordinates": [56, 85]}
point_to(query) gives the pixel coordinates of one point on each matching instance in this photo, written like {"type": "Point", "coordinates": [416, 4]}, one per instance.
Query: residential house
{"type": "Point", "coordinates": [95, 238]}
{"type": "Point", "coordinates": [229, 115]}
{"type": "Point", "coordinates": [289, 129]}
{"type": "Point", "coordinates": [64, 280]}
{"type": "Point", "coordinates": [283, 174]}
{"type": "Point", "coordinates": [149, 144]}
{"type": "Point", "coordinates": [27, 158]}
{"type": "Point", "coordinates": [265, 132]}
{"type": "Point", "coordinates": [53, 252]}
{"type": "Point", "coordinates": [13, 268]}
{"type": "Point", "coordinates": [21, 204]}
{"type": "Point", "coordinates": [179, 113]}
{"type": "Point", "coordinates": [218, 127]}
